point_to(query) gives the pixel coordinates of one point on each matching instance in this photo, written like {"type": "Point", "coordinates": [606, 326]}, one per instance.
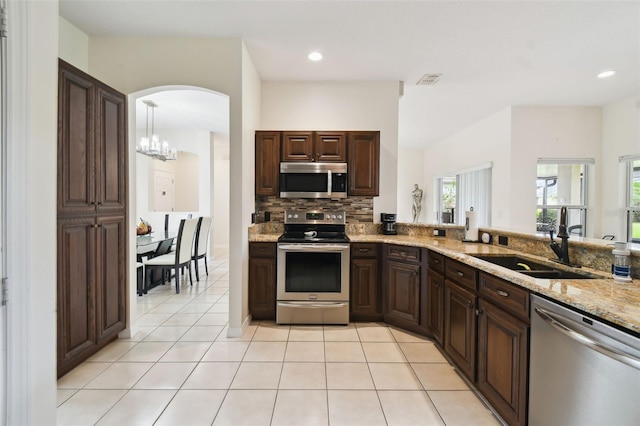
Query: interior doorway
{"type": "Point", "coordinates": [163, 191]}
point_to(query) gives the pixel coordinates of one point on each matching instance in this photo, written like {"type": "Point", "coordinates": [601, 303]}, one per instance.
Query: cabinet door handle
{"type": "Point", "coordinates": [479, 312]}
{"type": "Point", "coordinates": [502, 293]}
{"type": "Point", "coordinates": [403, 254]}
{"type": "Point", "coordinates": [437, 285]}
{"type": "Point", "coordinates": [460, 273]}
{"type": "Point", "coordinates": [470, 305]}
{"type": "Point", "coordinates": [363, 250]}
{"type": "Point", "coordinates": [95, 225]}
{"type": "Point", "coordinates": [436, 261]}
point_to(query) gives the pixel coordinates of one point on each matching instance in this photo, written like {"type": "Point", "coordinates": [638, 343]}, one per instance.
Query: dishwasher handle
{"type": "Point", "coordinates": [556, 322]}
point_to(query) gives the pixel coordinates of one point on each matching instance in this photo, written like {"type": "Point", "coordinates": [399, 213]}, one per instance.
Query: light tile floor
{"type": "Point", "coordinates": [182, 369]}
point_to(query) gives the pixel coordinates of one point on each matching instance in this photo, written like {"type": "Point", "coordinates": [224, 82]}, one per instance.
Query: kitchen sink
{"type": "Point", "coordinates": [513, 262]}
{"type": "Point", "coordinates": [533, 269]}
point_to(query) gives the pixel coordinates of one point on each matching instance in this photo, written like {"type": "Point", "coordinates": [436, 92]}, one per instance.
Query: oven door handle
{"type": "Point", "coordinates": [315, 304]}
{"type": "Point", "coordinates": [313, 247]}
{"type": "Point", "coordinates": [329, 183]}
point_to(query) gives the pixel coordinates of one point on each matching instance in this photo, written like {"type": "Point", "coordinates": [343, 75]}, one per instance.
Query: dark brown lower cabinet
{"type": "Point", "coordinates": [91, 286]}
{"type": "Point", "coordinates": [433, 304]}
{"type": "Point", "coordinates": [262, 281]}
{"type": "Point", "coordinates": [110, 271]}
{"type": "Point", "coordinates": [364, 297]}
{"type": "Point", "coordinates": [403, 292]}
{"type": "Point", "coordinates": [502, 362]}
{"type": "Point", "coordinates": [460, 327]}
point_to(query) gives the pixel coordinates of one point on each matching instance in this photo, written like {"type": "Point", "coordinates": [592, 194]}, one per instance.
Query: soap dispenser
{"type": "Point", "coordinates": [621, 268]}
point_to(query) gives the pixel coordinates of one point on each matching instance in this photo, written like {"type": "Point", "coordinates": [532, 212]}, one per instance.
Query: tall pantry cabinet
{"type": "Point", "coordinates": [92, 209]}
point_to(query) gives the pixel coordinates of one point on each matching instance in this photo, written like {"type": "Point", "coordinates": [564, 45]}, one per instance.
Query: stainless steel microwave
{"type": "Point", "coordinates": [313, 180]}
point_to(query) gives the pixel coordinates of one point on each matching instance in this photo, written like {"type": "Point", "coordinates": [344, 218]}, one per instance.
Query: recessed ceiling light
{"type": "Point", "coordinates": [605, 74]}
{"type": "Point", "coordinates": [315, 56]}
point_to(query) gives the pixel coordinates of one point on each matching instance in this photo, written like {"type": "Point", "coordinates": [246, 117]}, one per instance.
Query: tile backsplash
{"type": "Point", "coordinates": [358, 209]}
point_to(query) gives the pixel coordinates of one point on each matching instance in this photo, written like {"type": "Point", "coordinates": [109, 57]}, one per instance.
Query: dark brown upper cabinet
{"type": "Point", "coordinates": [363, 149]}
{"type": "Point", "coordinates": [297, 146]}
{"type": "Point", "coordinates": [91, 145]}
{"type": "Point", "coordinates": [267, 163]}
{"type": "Point", "coordinates": [330, 147]}
{"type": "Point", "coordinates": [310, 146]}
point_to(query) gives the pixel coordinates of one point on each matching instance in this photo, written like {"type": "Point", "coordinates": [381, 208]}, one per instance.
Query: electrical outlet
{"type": "Point", "coordinates": [253, 218]}
{"type": "Point", "coordinates": [267, 216]}
{"type": "Point", "coordinates": [438, 232]}
{"type": "Point", "coordinates": [502, 240]}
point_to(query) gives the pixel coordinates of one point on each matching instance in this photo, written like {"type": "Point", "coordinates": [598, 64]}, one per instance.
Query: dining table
{"type": "Point", "coordinates": [151, 245]}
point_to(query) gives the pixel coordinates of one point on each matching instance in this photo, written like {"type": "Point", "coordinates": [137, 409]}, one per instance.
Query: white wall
{"type": "Point", "coordinates": [486, 141]}
{"type": "Point", "coordinates": [411, 170]}
{"type": "Point", "coordinates": [73, 44]}
{"type": "Point", "coordinates": [196, 142]}
{"type": "Point", "coordinates": [32, 148]}
{"type": "Point", "coordinates": [137, 64]}
{"type": "Point", "coordinates": [620, 136]}
{"type": "Point", "coordinates": [341, 106]}
{"type": "Point", "coordinates": [242, 182]}
{"type": "Point", "coordinates": [551, 132]}
{"type": "Point", "coordinates": [513, 139]}
{"type": "Point", "coordinates": [220, 183]}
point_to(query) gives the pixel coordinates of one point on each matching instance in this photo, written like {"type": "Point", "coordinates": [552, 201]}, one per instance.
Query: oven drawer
{"type": "Point", "coordinates": [312, 312]}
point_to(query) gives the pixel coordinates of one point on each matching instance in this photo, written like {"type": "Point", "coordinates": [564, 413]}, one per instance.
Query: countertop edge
{"type": "Point", "coordinates": [617, 303]}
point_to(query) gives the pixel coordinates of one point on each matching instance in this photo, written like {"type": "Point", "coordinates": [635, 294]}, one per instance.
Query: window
{"type": "Point", "coordinates": [633, 199]}
{"type": "Point", "coordinates": [448, 190]}
{"type": "Point", "coordinates": [463, 190]}
{"type": "Point", "coordinates": [562, 182]}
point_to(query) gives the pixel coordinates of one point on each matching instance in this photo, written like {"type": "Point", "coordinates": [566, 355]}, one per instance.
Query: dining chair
{"type": "Point", "coordinates": [180, 257]}
{"type": "Point", "coordinates": [201, 244]}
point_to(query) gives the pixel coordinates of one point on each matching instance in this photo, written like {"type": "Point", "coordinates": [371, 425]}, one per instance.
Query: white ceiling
{"type": "Point", "coordinates": [491, 54]}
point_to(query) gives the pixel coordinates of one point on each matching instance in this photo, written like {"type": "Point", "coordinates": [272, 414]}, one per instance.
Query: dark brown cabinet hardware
{"type": "Point", "coordinates": [502, 293]}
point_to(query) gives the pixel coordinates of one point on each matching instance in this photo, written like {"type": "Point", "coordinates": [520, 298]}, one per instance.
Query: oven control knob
{"type": "Point", "coordinates": [289, 216]}
{"type": "Point", "coordinates": [339, 216]}
{"type": "Point", "coordinates": [333, 217]}
{"type": "Point", "coordinates": [295, 216]}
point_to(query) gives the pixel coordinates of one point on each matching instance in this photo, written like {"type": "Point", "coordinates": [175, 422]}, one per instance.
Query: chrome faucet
{"type": "Point", "coordinates": [561, 250]}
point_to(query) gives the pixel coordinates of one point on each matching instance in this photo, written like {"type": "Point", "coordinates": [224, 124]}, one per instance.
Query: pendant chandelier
{"type": "Point", "coordinates": [152, 147]}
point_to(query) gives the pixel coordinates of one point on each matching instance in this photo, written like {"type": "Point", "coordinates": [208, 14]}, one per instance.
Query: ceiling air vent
{"type": "Point", "coordinates": [429, 79]}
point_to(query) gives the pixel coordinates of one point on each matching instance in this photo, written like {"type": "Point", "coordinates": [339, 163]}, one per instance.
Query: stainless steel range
{"type": "Point", "coordinates": [313, 269]}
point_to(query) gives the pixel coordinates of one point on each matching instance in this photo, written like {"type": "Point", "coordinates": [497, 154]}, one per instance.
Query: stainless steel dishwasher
{"type": "Point", "coordinates": [582, 371]}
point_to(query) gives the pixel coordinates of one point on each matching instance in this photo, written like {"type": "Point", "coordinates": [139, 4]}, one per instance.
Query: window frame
{"type": "Point", "coordinates": [630, 209]}
{"type": "Point", "coordinates": [581, 209]}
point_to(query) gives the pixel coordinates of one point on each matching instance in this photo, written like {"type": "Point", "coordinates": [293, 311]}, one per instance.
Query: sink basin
{"type": "Point", "coordinates": [513, 262]}
{"type": "Point", "coordinates": [535, 269]}
{"type": "Point", "coordinates": [558, 274]}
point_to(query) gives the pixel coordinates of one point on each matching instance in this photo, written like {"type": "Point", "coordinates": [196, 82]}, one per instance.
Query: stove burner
{"type": "Point", "coordinates": [327, 229]}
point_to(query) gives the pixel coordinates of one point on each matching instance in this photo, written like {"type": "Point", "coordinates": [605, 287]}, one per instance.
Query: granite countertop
{"type": "Point", "coordinates": [616, 302]}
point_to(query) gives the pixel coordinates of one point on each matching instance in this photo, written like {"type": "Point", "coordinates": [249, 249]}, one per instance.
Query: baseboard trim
{"type": "Point", "coordinates": [239, 331]}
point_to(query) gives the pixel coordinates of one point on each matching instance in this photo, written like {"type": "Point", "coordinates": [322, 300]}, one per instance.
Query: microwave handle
{"type": "Point", "coordinates": [329, 183]}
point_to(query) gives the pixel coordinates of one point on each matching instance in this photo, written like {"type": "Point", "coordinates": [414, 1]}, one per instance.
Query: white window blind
{"type": "Point", "coordinates": [475, 191]}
